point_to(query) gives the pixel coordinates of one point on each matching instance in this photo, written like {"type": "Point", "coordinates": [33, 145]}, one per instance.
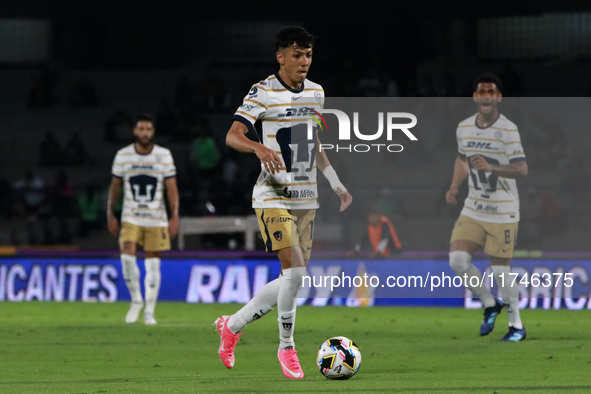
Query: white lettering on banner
{"type": "Point", "coordinates": [88, 283]}
{"type": "Point", "coordinates": [558, 287]}
{"type": "Point", "coordinates": [73, 271]}
{"type": "Point", "coordinates": [13, 272]}
{"type": "Point", "coordinates": [235, 287]}
{"type": "Point", "coordinates": [2, 282]}
{"type": "Point", "coordinates": [322, 293]}
{"type": "Point", "coordinates": [261, 278]}
{"type": "Point", "coordinates": [52, 285]}
{"type": "Point", "coordinates": [541, 291]}
{"type": "Point", "coordinates": [580, 273]}
{"type": "Point", "coordinates": [110, 293]}
{"type": "Point", "coordinates": [55, 284]}
{"type": "Point", "coordinates": [553, 286]}
{"type": "Point", "coordinates": [199, 290]}
{"type": "Point", "coordinates": [35, 285]}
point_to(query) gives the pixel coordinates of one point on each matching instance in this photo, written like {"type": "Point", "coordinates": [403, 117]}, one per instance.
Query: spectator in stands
{"type": "Point", "coordinates": [370, 85]}
{"type": "Point", "coordinates": [552, 217]}
{"type": "Point", "coordinates": [41, 93]}
{"type": "Point", "coordinates": [61, 195]}
{"type": "Point", "coordinates": [6, 198]}
{"type": "Point", "coordinates": [82, 93]}
{"type": "Point", "coordinates": [166, 122]}
{"type": "Point", "coordinates": [50, 151]}
{"type": "Point", "coordinates": [119, 127]}
{"type": "Point", "coordinates": [389, 86]}
{"type": "Point", "coordinates": [381, 234]}
{"type": "Point", "coordinates": [204, 155]}
{"type": "Point", "coordinates": [212, 92]}
{"type": "Point", "coordinates": [75, 153]}
{"type": "Point", "coordinates": [29, 194]}
{"type": "Point", "coordinates": [89, 205]}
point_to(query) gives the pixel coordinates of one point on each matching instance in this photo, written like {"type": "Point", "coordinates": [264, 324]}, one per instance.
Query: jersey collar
{"type": "Point", "coordinates": [491, 123]}
{"type": "Point", "coordinates": [286, 86]}
{"type": "Point", "coordinates": [142, 154]}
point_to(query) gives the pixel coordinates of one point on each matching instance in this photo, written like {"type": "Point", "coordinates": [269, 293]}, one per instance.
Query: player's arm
{"type": "Point", "coordinates": [460, 174]}
{"type": "Point", "coordinates": [114, 192]}
{"type": "Point", "coordinates": [514, 170]}
{"type": "Point", "coordinates": [172, 192]}
{"type": "Point", "coordinates": [330, 174]}
{"type": "Point", "coordinates": [236, 139]}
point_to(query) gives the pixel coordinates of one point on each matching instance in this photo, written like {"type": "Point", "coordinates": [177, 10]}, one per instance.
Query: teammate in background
{"type": "Point", "coordinates": [285, 194]}
{"type": "Point", "coordinates": [491, 156]}
{"type": "Point", "coordinates": [144, 169]}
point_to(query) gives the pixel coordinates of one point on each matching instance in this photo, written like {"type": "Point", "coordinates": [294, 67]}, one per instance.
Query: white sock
{"type": "Point", "coordinates": [257, 307]}
{"type": "Point", "coordinates": [509, 294]}
{"type": "Point", "coordinates": [152, 283]}
{"type": "Point", "coordinates": [460, 262]}
{"type": "Point", "coordinates": [290, 283]}
{"type": "Point", "coordinates": [131, 274]}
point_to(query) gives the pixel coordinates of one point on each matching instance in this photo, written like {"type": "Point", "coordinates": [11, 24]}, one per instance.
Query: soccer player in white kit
{"type": "Point", "coordinates": [285, 194]}
{"type": "Point", "coordinates": [492, 158]}
{"type": "Point", "coordinates": [145, 170]}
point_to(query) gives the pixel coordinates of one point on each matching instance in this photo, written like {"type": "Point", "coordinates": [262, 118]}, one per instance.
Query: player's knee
{"type": "Point", "coordinates": [127, 248]}
{"type": "Point", "coordinates": [459, 260]}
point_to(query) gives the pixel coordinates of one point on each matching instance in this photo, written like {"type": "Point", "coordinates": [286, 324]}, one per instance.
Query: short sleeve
{"type": "Point", "coordinates": [169, 167]}
{"type": "Point", "coordinates": [461, 151]}
{"type": "Point", "coordinates": [117, 169]}
{"type": "Point", "coordinates": [254, 106]}
{"type": "Point", "coordinates": [513, 148]}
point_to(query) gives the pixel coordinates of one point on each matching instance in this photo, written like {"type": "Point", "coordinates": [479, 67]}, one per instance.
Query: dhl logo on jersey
{"type": "Point", "coordinates": [480, 145]}
{"type": "Point", "coordinates": [302, 111]}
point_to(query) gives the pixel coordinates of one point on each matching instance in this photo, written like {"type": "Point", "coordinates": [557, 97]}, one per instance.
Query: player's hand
{"type": "Point", "coordinates": [346, 199]}
{"type": "Point", "coordinates": [173, 226]}
{"type": "Point", "coordinates": [479, 163]}
{"type": "Point", "coordinates": [269, 158]}
{"type": "Point", "coordinates": [112, 224]}
{"type": "Point", "coordinates": [450, 196]}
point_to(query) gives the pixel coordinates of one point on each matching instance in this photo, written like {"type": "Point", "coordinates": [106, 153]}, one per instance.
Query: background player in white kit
{"type": "Point", "coordinates": [145, 170]}
{"type": "Point", "coordinates": [491, 155]}
{"type": "Point", "coordinates": [285, 195]}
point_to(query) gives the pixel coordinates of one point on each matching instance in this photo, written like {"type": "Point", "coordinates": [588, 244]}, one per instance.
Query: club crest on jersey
{"type": "Point", "coordinates": [278, 235]}
{"type": "Point", "coordinates": [253, 92]}
{"type": "Point", "coordinates": [318, 97]}
{"type": "Point", "coordinates": [498, 134]}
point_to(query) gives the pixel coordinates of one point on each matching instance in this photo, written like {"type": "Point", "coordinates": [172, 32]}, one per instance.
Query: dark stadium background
{"type": "Point", "coordinates": [104, 62]}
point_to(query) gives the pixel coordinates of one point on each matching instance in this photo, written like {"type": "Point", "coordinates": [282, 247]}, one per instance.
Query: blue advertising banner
{"type": "Point", "coordinates": [547, 284]}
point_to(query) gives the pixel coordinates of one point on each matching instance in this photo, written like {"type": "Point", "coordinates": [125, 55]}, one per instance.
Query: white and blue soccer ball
{"type": "Point", "coordinates": [338, 358]}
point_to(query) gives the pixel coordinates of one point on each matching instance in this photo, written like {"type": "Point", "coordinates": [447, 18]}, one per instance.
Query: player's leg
{"type": "Point", "coordinates": [151, 285]}
{"type": "Point", "coordinates": [293, 263]}
{"type": "Point", "coordinates": [271, 221]}
{"type": "Point", "coordinates": [468, 237]}
{"type": "Point", "coordinates": [500, 246]}
{"type": "Point", "coordinates": [156, 240]}
{"type": "Point", "coordinates": [127, 245]}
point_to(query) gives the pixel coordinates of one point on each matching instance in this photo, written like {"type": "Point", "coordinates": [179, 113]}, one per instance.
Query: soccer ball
{"type": "Point", "coordinates": [338, 358]}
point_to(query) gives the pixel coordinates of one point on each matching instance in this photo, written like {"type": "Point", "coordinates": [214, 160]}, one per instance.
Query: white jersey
{"type": "Point", "coordinates": [143, 184]}
{"type": "Point", "coordinates": [285, 114]}
{"type": "Point", "coordinates": [491, 198]}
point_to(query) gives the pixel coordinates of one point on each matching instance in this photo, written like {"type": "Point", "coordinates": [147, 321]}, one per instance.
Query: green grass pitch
{"type": "Point", "coordinates": [87, 348]}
